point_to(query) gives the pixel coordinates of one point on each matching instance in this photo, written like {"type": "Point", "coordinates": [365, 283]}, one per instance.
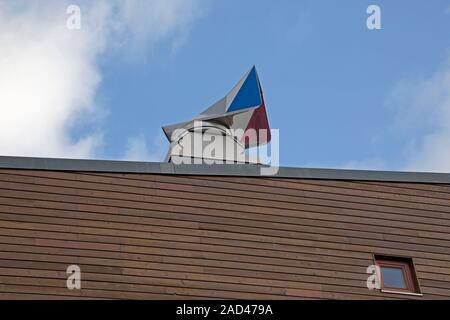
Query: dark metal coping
{"type": "Point", "coordinates": [244, 170]}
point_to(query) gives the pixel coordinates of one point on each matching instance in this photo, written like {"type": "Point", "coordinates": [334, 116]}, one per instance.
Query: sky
{"type": "Point", "coordinates": [342, 96]}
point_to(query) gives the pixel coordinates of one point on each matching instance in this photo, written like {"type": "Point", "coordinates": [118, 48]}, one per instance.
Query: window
{"type": "Point", "coordinates": [397, 274]}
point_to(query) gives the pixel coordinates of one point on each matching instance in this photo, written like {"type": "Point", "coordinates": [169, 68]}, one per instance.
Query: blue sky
{"type": "Point", "coordinates": [341, 95]}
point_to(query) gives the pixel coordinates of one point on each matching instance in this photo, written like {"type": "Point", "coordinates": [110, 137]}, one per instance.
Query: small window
{"type": "Point", "coordinates": [397, 274]}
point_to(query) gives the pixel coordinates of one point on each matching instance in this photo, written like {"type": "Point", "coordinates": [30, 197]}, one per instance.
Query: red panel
{"type": "Point", "coordinates": [258, 121]}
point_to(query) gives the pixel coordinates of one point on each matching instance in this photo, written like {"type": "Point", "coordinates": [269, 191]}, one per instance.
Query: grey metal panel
{"type": "Point", "coordinates": [368, 175]}
{"type": "Point", "coordinates": [167, 168]}
{"type": "Point", "coordinates": [61, 164]}
{"type": "Point", "coordinates": [219, 107]}
{"type": "Point", "coordinates": [218, 169]}
{"type": "Point", "coordinates": [246, 170]}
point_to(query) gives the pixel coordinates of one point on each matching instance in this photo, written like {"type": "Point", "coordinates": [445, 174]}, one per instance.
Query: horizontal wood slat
{"type": "Point", "coordinates": [149, 236]}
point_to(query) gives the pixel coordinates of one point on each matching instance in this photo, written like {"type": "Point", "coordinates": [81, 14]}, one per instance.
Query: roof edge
{"type": "Point", "coordinates": [248, 170]}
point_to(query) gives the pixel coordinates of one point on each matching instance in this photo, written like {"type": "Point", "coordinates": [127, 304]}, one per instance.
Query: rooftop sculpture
{"type": "Point", "coordinates": [239, 120]}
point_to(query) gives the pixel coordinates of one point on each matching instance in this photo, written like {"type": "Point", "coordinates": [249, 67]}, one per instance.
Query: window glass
{"type": "Point", "coordinates": [393, 277]}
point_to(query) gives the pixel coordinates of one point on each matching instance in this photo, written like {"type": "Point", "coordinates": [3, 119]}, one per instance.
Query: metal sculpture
{"type": "Point", "coordinates": [239, 118]}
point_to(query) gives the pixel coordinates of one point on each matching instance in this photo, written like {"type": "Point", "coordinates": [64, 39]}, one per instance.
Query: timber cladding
{"type": "Point", "coordinates": [162, 236]}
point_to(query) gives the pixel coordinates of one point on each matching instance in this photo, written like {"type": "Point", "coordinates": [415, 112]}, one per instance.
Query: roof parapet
{"type": "Point", "coordinates": [244, 170]}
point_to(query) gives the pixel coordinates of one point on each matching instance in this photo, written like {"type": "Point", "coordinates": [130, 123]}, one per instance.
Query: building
{"type": "Point", "coordinates": [163, 231]}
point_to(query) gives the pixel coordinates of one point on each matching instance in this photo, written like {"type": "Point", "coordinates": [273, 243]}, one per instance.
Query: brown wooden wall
{"type": "Point", "coordinates": [161, 236]}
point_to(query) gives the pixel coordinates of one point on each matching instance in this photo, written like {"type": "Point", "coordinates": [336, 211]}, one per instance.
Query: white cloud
{"type": "Point", "coordinates": [421, 125]}
{"type": "Point", "coordinates": [138, 149]}
{"type": "Point", "coordinates": [423, 120]}
{"type": "Point", "coordinates": [367, 164]}
{"type": "Point", "coordinates": [152, 20]}
{"type": "Point", "coordinates": [49, 74]}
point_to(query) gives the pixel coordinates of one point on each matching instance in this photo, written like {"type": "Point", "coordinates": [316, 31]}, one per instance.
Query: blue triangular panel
{"type": "Point", "coordinates": [249, 94]}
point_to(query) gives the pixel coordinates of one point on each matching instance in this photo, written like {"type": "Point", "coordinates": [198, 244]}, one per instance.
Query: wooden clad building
{"type": "Point", "coordinates": [162, 231]}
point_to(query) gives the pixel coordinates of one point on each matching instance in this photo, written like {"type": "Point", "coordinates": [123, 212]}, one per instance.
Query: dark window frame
{"type": "Point", "coordinates": [408, 270]}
